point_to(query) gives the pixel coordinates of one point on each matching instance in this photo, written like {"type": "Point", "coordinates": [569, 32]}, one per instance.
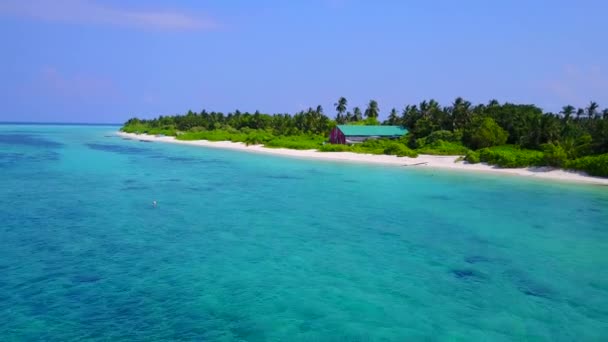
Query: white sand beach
{"type": "Point", "coordinates": [422, 161]}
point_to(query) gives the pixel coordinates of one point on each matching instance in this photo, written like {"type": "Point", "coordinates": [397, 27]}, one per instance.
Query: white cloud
{"type": "Point", "coordinates": [89, 12]}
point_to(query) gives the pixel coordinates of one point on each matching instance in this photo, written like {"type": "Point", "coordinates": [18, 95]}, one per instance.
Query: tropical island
{"type": "Point", "coordinates": [504, 135]}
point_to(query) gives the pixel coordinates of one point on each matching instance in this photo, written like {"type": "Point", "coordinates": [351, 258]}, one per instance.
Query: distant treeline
{"type": "Point", "coordinates": [508, 135]}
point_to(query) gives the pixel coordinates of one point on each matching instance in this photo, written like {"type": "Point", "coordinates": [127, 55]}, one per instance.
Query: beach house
{"type": "Point", "coordinates": [352, 134]}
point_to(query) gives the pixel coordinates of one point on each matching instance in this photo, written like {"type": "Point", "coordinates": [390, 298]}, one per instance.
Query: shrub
{"type": "Point", "coordinates": [400, 150]}
{"type": "Point", "coordinates": [485, 132]}
{"type": "Point", "coordinates": [472, 157]}
{"type": "Point", "coordinates": [256, 137]}
{"type": "Point", "coordinates": [335, 148]}
{"type": "Point", "coordinates": [373, 146]}
{"type": "Point", "coordinates": [510, 156]}
{"type": "Point", "coordinates": [296, 142]}
{"type": "Point", "coordinates": [376, 146]}
{"type": "Point", "coordinates": [554, 155]}
{"type": "Point", "coordinates": [441, 135]}
{"type": "Point", "coordinates": [593, 165]}
{"type": "Point", "coordinates": [214, 135]}
{"type": "Point", "coordinates": [444, 148]}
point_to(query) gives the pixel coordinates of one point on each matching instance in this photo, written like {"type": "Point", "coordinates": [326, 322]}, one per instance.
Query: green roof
{"type": "Point", "coordinates": [372, 131]}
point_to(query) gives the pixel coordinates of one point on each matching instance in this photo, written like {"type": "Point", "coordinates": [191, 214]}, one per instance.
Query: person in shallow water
{"type": "Point", "coordinates": [154, 203]}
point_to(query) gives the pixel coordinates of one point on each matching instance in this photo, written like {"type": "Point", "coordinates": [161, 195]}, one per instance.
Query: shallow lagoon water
{"type": "Point", "coordinates": [248, 247]}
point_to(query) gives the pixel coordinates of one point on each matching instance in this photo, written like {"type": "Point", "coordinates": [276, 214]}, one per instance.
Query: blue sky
{"type": "Point", "coordinates": [106, 61]}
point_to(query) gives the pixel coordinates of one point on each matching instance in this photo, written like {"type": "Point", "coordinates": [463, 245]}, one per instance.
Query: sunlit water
{"type": "Point", "coordinates": [247, 247]}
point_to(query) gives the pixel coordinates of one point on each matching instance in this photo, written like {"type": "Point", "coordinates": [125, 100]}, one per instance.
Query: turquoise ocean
{"type": "Point", "coordinates": [250, 247]}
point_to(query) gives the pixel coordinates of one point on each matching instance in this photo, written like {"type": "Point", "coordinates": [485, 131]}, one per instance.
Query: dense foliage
{"type": "Point", "coordinates": [507, 135]}
{"type": "Point", "coordinates": [510, 156]}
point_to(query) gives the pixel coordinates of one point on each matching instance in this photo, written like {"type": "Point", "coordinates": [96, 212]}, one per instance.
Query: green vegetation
{"type": "Point", "coordinates": [554, 155]}
{"type": "Point", "coordinates": [472, 157]}
{"type": "Point", "coordinates": [506, 135]}
{"type": "Point", "coordinates": [256, 137]}
{"type": "Point", "coordinates": [485, 132]}
{"type": "Point", "coordinates": [593, 165]}
{"type": "Point", "coordinates": [379, 146]}
{"type": "Point", "coordinates": [511, 156]}
{"type": "Point", "coordinates": [385, 146]}
{"type": "Point", "coordinates": [443, 148]}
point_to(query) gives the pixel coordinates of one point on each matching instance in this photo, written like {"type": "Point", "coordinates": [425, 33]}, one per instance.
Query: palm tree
{"type": "Point", "coordinates": [424, 108]}
{"type": "Point", "coordinates": [410, 116]}
{"type": "Point", "coordinates": [605, 114]}
{"type": "Point", "coordinates": [341, 105]}
{"type": "Point", "coordinates": [349, 116]}
{"type": "Point", "coordinates": [341, 108]}
{"type": "Point", "coordinates": [461, 113]}
{"type": "Point", "coordinates": [319, 110]}
{"type": "Point", "coordinates": [393, 117]}
{"type": "Point", "coordinates": [357, 115]}
{"type": "Point", "coordinates": [372, 110]}
{"type": "Point", "coordinates": [592, 109]}
{"type": "Point", "coordinates": [579, 113]}
{"type": "Point", "coordinates": [567, 112]}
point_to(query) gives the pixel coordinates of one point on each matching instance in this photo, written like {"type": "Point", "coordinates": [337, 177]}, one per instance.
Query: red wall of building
{"type": "Point", "coordinates": [336, 136]}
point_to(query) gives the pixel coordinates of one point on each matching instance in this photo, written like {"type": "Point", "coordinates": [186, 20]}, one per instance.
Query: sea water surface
{"type": "Point", "coordinates": [248, 247]}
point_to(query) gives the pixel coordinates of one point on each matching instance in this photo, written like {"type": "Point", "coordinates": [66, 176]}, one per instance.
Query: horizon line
{"type": "Point", "coordinates": [59, 123]}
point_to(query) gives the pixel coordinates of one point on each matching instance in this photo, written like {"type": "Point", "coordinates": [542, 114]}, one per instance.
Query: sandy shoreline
{"type": "Point", "coordinates": [422, 161]}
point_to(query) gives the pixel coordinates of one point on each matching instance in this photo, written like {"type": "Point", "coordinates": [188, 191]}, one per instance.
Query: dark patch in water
{"type": "Point", "coordinates": [134, 188]}
{"type": "Point", "coordinates": [389, 234]}
{"type": "Point", "coordinates": [535, 290]}
{"type": "Point", "coordinates": [171, 180]}
{"type": "Point", "coordinates": [467, 274]}
{"type": "Point", "coordinates": [530, 287]}
{"type": "Point", "coordinates": [86, 278]}
{"type": "Point", "coordinates": [192, 160]}
{"type": "Point", "coordinates": [318, 172]}
{"type": "Point", "coordinates": [129, 181]}
{"type": "Point", "coordinates": [7, 159]}
{"type": "Point", "coordinates": [463, 273]}
{"type": "Point", "coordinates": [12, 159]}
{"type": "Point", "coordinates": [198, 189]}
{"type": "Point", "coordinates": [117, 148]}
{"type": "Point", "coordinates": [246, 330]}
{"type": "Point", "coordinates": [180, 159]}
{"type": "Point", "coordinates": [215, 161]}
{"type": "Point", "coordinates": [28, 140]}
{"type": "Point", "coordinates": [440, 197]}
{"type": "Point", "coordinates": [350, 181]}
{"type": "Point", "coordinates": [538, 226]}
{"type": "Point", "coordinates": [49, 156]}
{"type": "Point", "coordinates": [146, 141]}
{"type": "Point", "coordinates": [284, 177]}
{"type": "Point", "coordinates": [473, 259]}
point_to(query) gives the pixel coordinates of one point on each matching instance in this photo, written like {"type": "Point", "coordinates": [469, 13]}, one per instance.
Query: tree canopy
{"type": "Point", "coordinates": [453, 129]}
